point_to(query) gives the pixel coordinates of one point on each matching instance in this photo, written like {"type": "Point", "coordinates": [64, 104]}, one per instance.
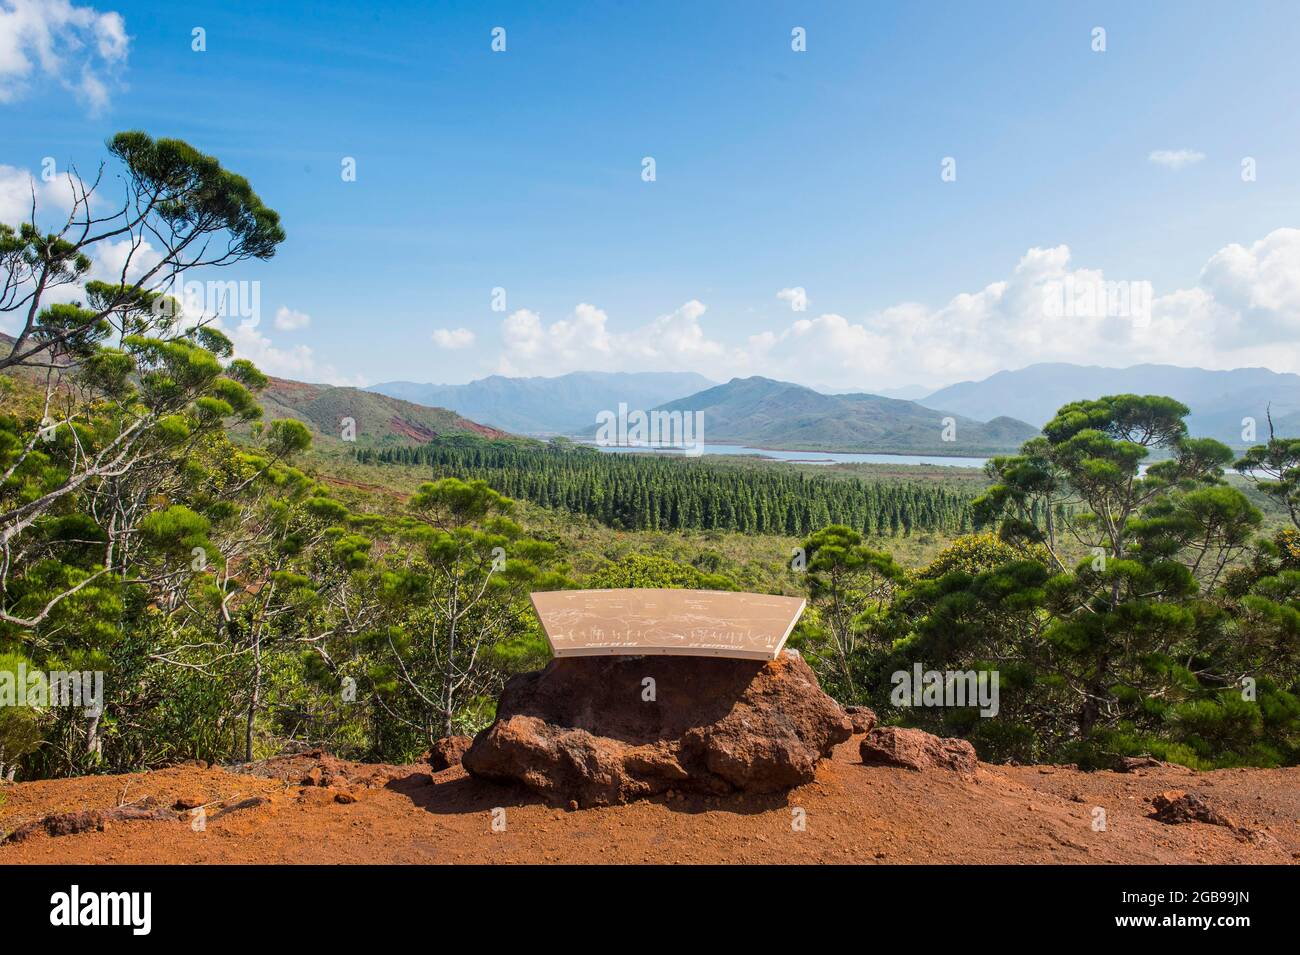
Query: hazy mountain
{"type": "Point", "coordinates": [1219, 399]}
{"type": "Point", "coordinates": [567, 404]}
{"type": "Point", "coordinates": [380, 419]}
{"type": "Point", "coordinates": [906, 392]}
{"type": "Point", "coordinates": [776, 414]}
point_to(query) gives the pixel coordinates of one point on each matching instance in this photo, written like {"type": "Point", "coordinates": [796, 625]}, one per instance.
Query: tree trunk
{"type": "Point", "coordinates": [254, 699]}
{"type": "Point", "coordinates": [1088, 714]}
{"type": "Point", "coordinates": [447, 711]}
{"type": "Point", "coordinates": [93, 745]}
{"type": "Point", "coordinates": [1090, 711]}
{"type": "Point", "coordinates": [450, 674]}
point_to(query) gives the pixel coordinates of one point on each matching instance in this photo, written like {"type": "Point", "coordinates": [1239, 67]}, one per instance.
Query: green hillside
{"type": "Point", "coordinates": [776, 414]}
{"type": "Point", "coordinates": [380, 421]}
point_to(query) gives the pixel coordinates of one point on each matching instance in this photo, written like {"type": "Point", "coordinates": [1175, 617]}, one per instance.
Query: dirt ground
{"type": "Point", "coordinates": [353, 813]}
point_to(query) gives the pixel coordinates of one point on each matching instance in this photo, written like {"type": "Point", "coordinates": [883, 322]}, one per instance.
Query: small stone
{"type": "Point", "coordinates": [448, 751]}
{"type": "Point", "coordinates": [862, 718]}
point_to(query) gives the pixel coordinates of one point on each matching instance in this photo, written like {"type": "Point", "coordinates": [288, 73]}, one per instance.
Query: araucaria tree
{"type": "Point", "coordinates": [1138, 637]}
{"type": "Point", "coordinates": [455, 617]}
{"type": "Point", "coordinates": [850, 587]}
{"type": "Point", "coordinates": [113, 399]}
{"type": "Point", "coordinates": [1124, 603]}
{"type": "Point", "coordinates": [131, 384]}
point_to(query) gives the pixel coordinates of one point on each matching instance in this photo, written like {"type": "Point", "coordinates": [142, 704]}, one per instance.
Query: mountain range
{"type": "Point", "coordinates": [1218, 400]}
{"type": "Point", "coordinates": [761, 412]}
{"type": "Point", "coordinates": [992, 415]}
{"type": "Point", "coordinates": [566, 404]}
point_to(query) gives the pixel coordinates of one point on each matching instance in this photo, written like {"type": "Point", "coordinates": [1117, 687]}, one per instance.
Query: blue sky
{"type": "Point", "coordinates": [775, 170]}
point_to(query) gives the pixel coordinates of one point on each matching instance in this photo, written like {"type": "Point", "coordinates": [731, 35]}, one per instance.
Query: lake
{"type": "Point", "coordinates": [818, 457]}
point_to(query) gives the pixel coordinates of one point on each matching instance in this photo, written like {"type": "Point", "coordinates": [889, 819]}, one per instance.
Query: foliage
{"type": "Point", "coordinates": [976, 553]}
{"type": "Point", "coordinates": [640, 570]}
{"type": "Point", "coordinates": [1137, 648]}
{"type": "Point", "coordinates": [850, 587]}
{"type": "Point", "coordinates": [1275, 468]}
{"type": "Point", "coordinates": [650, 492]}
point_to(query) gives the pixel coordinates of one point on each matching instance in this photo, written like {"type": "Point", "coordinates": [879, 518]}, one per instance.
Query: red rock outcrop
{"type": "Point", "coordinates": [917, 750]}
{"type": "Point", "coordinates": [605, 730]}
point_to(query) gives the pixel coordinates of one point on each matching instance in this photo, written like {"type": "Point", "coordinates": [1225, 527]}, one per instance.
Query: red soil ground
{"type": "Point", "coordinates": [854, 813]}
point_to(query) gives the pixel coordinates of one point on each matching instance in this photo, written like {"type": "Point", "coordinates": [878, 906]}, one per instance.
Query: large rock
{"type": "Point", "coordinates": [584, 730]}
{"type": "Point", "coordinates": [917, 750]}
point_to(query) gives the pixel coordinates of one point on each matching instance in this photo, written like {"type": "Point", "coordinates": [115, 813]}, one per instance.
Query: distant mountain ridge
{"type": "Point", "coordinates": [565, 404]}
{"type": "Point", "coordinates": [763, 412]}
{"type": "Point", "coordinates": [1218, 400]}
{"type": "Point", "coordinates": [378, 420]}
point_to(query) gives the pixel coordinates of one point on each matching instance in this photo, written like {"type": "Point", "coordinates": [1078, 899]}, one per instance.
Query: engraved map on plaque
{"type": "Point", "coordinates": [703, 623]}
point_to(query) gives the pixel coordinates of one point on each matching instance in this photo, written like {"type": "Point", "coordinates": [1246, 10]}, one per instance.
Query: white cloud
{"type": "Point", "coordinates": [288, 320]}
{"type": "Point", "coordinates": [580, 341]}
{"type": "Point", "coordinates": [17, 186]}
{"type": "Point", "coordinates": [797, 297]}
{"type": "Point", "coordinates": [453, 338]}
{"type": "Point", "coordinates": [298, 362]}
{"type": "Point", "coordinates": [1176, 158]}
{"type": "Point", "coordinates": [584, 342]}
{"type": "Point", "coordinates": [1244, 310]}
{"type": "Point", "coordinates": [113, 261]}
{"type": "Point", "coordinates": [80, 48]}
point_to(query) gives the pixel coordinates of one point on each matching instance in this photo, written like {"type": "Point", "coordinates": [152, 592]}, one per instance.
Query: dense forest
{"type": "Point", "coordinates": [159, 538]}
{"type": "Point", "coordinates": [652, 492]}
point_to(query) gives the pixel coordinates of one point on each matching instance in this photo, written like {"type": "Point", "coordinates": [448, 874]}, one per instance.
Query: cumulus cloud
{"type": "Point", "coordinates": [580, 341]}
{"type": "Point", "coordinates": [288, 320]}
{"type": "Point", "coordinates": [796, 296]}
{"type": "Point", "coordinates": [583, 342]}
{"type": "Point", "coordinates": [1175, 158]}
{"type": "Point", "coordinates": [453, 338]}
{"type": "Point", "coordinates": [123, 261]}
{"type": "Point", "coordinates": [1244, 310]}
{"type": "Point", "coordinates": [80, 48]}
